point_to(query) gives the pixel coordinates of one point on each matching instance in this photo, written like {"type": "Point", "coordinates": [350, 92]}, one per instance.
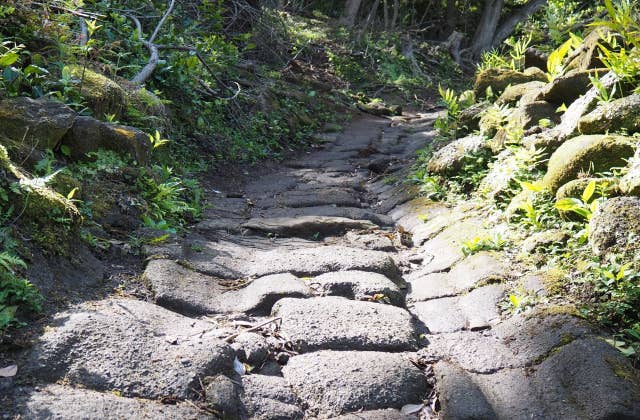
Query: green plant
{"type": "Point", "coordinates": [604, 95]}
{"type": "Point", "coordinates": [555, 66]}
{"type": "Point", "coordinates": [582, 206]}
{"type": "Point", "coordinates": [479, 243]}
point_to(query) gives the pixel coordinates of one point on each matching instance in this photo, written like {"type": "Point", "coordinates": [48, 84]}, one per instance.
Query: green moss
{"type": "Point", "coordinates": [623, 371]}
{"type": "Point", "coordinates": [587, 154]}
{"type": "Point", "coordinates": [105, 97]}
{"type": "Point", "coordinates": [499, 79]}
{"type": "Point", "coordinates": [621, 114]}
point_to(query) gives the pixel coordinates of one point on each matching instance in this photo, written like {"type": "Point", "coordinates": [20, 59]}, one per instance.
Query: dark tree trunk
{"type": "Point", "coordinates": [350, 13]}
{"type": "Point", "coordinates": [483, 38]}
{"type": "Point", "coordinates": [508, 25]}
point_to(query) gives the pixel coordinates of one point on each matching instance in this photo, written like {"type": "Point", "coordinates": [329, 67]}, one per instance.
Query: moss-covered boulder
{"type": "Point", "coordinates": [144, 108]}
{"type": "Point", "coordinates": [576, 187]}
{"type": "Point", "coordinates": [89, 135]}
{"type": "Point", "coordinates": [566, 89]}
{"type": "Point", "coordinates": [587, 154]}
{"type": "Point", "coordinates": [513, 93]}
{"type": "Point", "coordinates": [542, 241]}
{"type": "Point", "coordinates": [38, 124]}
{"type": "Point", "coordinates": [630, 182]}
{"type": "Point", "coordinates": [104, 96]}
{"type": "Point", "coordinates": [451, 158]}
{"type": "Point", "coordinates": [623, 113]}
{"type": "Point", "coordinates": [529, 115]}
{"type": "Point", "coordinates": [615, 226]}
{"type": "Point", "coordinates": [499, 79]}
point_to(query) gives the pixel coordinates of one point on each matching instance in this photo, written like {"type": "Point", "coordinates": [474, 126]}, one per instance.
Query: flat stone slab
{"type": "Point", "coordinates": [581, 380]}
{"type": "Point", "coordinates": [517, 342]}
{"type": "Point", "coordinates": [336, 382]}
{"type": "Point", "coordinates": [377, 241]}
{"type": "Point", "coordinates": [306, 226]}
{"type": "Point", "coordinates": [388, 414]}
{"type": "Point", "coordinates": [359, 285]}
{"type": "Point", "coordinates": [340, 197]}
{"type": "Point", "coordinates": [473, 271]}
{"type": "Point", "coordinates": [337, 323]}
{"type": "Point", "coordinates": [354, 213]}
{"type": "Point", "coordinates": [186, 291]}
{"type": "Point", "coordinates": [269, 397]}
{"type": "Point", "coordinates": [63, 402]}
{"type": "Point", "coordinates": [133, 347]}
{"type": "Point", "coordinates": [476, 310]}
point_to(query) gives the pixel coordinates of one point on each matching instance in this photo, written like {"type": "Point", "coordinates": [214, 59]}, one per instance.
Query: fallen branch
{"type": "Point", "coordinates": [230, 338]}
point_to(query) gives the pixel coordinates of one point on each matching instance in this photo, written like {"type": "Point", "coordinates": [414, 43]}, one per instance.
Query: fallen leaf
{"type": "Point", "coordinates": [238, 366]}
{"type": "Point", "coordinates": [9, 371]}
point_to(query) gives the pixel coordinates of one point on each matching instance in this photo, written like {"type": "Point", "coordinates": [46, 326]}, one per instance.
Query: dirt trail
{"type": "Point", "coordinates": [323, 288]}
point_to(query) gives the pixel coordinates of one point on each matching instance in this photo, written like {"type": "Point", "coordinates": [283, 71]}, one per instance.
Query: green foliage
{"type": "Point", "coordinates": [513, 59]}
{"type": "Point", "coordinates": [582, 206]}
{"type": "Point", "coordinates": [478, 244]}
{"type": "Point", "coordinates": [555, 62]}
{"type": "Point", "coordinates": [561, 17]}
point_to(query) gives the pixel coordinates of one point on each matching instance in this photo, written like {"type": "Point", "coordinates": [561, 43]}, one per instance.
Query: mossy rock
{"type": "Point", "coordinates": [144, 107]}
{"type": "Point", "coordinates": [449, 159]}
{"type": "Point", "coordinates": [587, 154]}
{"type": "Point", "coordinates": [566, 89]}
{"type": "Point", "coordinates": [37, 124]}
{"type": "Point", "coordinates": [587, 55]}
{"type": "Point", "coordinates": [630, 182]}
{"type": "Point", "coordinates": [499, 79]}
{"type": "Point", "coordinates": [529, 115]}
{"type": "Point", "coordinates": [615, 226]}
{"type": "Point", "coordinates": [576, 187]}
{"type": "Point", "coordinates": [104, 96]}
{"type": "Point", "coordinates": [89, 135]}
{"type": "Point", "coordinates": [380, 109]}
{"type": "Point", "coordinates": [513, 93]}
{"type": "Point", "coordinates": [620, 114]}
{"type": "Point", "coordinates": [469, 118]}
{"type": "Point", "coordinates": [541, 241]}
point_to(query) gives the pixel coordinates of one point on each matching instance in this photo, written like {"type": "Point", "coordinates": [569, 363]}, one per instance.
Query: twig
{"type": "Point", "coordinates": [230, 338]}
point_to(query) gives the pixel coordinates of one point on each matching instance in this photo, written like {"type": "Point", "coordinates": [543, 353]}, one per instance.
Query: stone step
{"type": "Point", "coordinates": [307, 226]}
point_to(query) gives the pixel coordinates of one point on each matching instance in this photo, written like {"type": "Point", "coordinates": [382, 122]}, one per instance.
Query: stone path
{"type": "Point", "coordinates": [325, 290]}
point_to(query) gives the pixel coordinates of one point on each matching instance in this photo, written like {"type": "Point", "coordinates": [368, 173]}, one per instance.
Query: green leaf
{"type": "Point", "coordinates": [588, 192]}
{"type": "Point", "coordinates": [535, 187]}
{"type": "Point", "coordinates": [568, 204]}
{"type": "Point", "coordinates": [8, 59]}
{"type": "Point", "coordinates": [515, 301]}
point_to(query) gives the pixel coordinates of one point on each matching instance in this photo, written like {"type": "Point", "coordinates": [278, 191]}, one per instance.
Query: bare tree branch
{"type": "Point", "coordinates": [162, 20]}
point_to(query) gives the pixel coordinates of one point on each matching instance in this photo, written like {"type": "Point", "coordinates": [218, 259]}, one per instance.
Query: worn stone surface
{"type": "Point", "coordinates": [630, 182]}
{"type": "Point", "coordinates": [388, 414]}
{"type": "Point", "coordinates": [187, 291]}
{"type": "Point", "coordinates": [64, 402]}
{"type": "Point", "coordinates": [332, 383]}
{"type": "Point", "coordinates": [475, 270]}
{"type": "Point", "coordinates": [451, 157]}
{"type": "Point", "coordinates": [134, 347]}
{"type": "Point", "coordinates": [269, 397]}
{"type": "Point", "coordinates": [476, 310]}
{"type": "Point", "coordinates": [337, 323]}
{"type": "Point", "coordinates": [359, 285]}
{"type": "Point", "coordinates": [375, 241]}
{"type": "Point", "coordinates": [499, 79]}
{"type": "Point", "coordinates": [513, 93]}
{"type": "Point", "coordinates": [307, 226]}
{"type": "Point", "coordinates": [615, 226]}
{"type": "Point", "coordinates": [567, 88]}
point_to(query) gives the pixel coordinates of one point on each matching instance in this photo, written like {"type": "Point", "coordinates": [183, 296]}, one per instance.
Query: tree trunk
{"type": "Point", "coordinates": [385, 9]}
{"type": "Point", "coordinates": [370, 17]}
{"type": "Point", "coordinates": [396, 10]}
{"type": "Point", "coordinates": [350, 13]}
{"type": "Point", "coordinates": [509, 24]}
{"type": "Point", "coordinates": [483, 38]}
{"type": "Point", "coordinates": [451, 18]}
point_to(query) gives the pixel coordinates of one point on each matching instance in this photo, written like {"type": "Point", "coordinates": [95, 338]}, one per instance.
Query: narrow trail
{"type": "Point", "coordinates": [354, 302]}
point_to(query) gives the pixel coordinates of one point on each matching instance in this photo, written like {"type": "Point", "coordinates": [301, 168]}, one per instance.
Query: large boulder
{"type": "Point", "coordinates": [499, 79]}
{"type": "Point", "coordinates": [104, 96]}
{"type": "Point", "coordinates": [587, 56]}
{"type": "Point", "coordinates": [513, 93]}
{"type": "Point", "coordinates": [469, 118]}
{"type": "Point", "coordinates": [38, 124]}
{"type": "Point", "coordinates": [451, 157]}
{"type": "Point", "coordinates": [623, 113]}
{"type": "Point", "coordinates": [586, 154]}
{"type": "Point", "coordinates": [566, 89]}
{"type": "Point", "coordinates": [528, 115]}
{"type": "Point", "coordinates": [88, 135]}
{"type": "Point", "coordinates": [615, 226]}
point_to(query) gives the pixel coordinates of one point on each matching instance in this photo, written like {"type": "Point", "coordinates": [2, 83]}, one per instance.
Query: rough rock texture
{"type": "Point", "coordinates": [567, 88]}
{"type": "Point", "coordinates": [623, 113]}
{"type": "Point", "coordinates": [269, 397]}
{"type": "Point", "coordinates": [187, 291]}
{"type": "Point", "coordinates": [615, 226]}
{"type": "Point", "coordinates": [359, 285]}
{"type": "Point", "coordinates": [134, 347]}
{"type": "Point", "coordinates": [528, 115]}
{"type": "Point", "coordinates": [586, 56]}
{"type": "Point", "coordinates": [63, 402]}
{"type": "Point", "coordinates": [88, 135]}
{"type": "Point", "coordinates": [105, 97]}
{"type": "Point", "coordinates": [469, 118]}
{"type": "Point", "coordinates": [451, 157]}
{"type": "Point", "coordinates": [499, 79]}
{"type": "Point", "coordinates": [331, 382]}
{"type": "Point", "coordinates": [630, 182]}
{"type": "Point", "coordinates": [542, 241]}
{"type": "Point", "coordinates": [584, 154]}
{"type": "Point", "coordinates": [337, 323]}
{"type": "Point", "coordinates": [307, 226]}
{"type": "Point", "coordinates": [513, 93]}
{"type": "Point", "coordinates": [38, 123]}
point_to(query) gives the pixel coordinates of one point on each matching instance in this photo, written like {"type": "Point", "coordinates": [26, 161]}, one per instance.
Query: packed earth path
{"type": "Point", "coordinates": [323, 287]}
